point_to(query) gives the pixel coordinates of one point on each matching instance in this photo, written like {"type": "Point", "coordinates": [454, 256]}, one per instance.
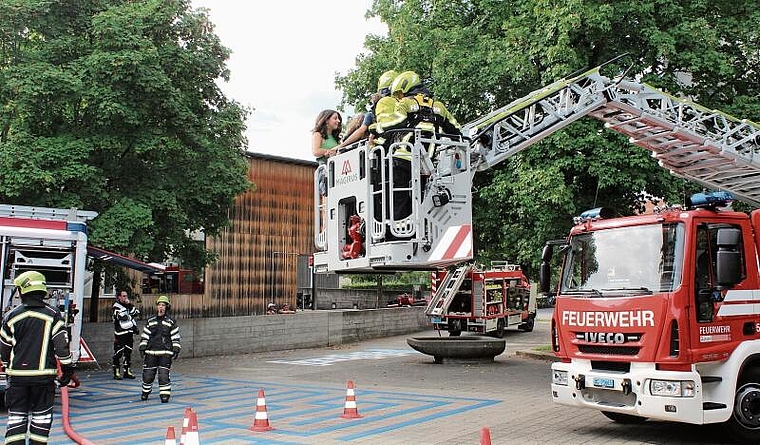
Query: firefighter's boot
{"type": "Point", "coordinates": [144, 395]}
{"type": "Point", "coordinates": [164, 398]}
{"type": "Point", "coordinates": [116, 373]}
{"type": "Point", "coordinates": [128, 374]}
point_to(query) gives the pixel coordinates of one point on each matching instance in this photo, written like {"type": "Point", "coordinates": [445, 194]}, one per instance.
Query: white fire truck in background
{"type": "Point", "coordinates": [653, 344]}
{"type": "Point", "coordinates": [486, 301]}
{"type": "Point", "coordinates": [53, 242]}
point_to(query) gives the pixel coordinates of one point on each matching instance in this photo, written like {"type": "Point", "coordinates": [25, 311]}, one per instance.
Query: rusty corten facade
{"type": "Point", "coordinates": [270, 227]}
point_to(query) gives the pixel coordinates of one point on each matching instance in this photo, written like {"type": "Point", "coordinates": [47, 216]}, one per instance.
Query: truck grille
{"type": "Point", "coordinates": [609, 350]}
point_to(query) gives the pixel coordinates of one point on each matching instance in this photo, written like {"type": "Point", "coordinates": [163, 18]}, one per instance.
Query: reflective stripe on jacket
{"type": "Point", "coordinates": [160, 336]}
{"type": "Point", "coordinates": [31, 338]}
{"type": "Point", "coordinates": [124, 318]}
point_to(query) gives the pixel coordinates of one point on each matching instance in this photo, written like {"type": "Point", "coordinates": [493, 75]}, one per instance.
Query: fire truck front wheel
{"type": "Point", "coordinates": [500, 328]}
{"type": "Point", "coordinates": [527, 326]}
{"type": "Point", "coordinates": [744, 424]}
{"type": "Point", "coordinates": [625, 419]}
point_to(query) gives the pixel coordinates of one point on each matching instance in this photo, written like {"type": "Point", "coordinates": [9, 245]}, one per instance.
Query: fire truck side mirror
{"type": "Point", "coordinates": [545, 274]}
{"type": "Point", "coordinates": [728, 263]}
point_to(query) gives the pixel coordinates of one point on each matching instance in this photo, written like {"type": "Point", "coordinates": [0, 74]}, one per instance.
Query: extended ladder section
{"type": "Point", "coordinates": [510, 129]}
{"type": "Point", "coordinates": [47, 213]}
{"type": "Point", "coordinates": [706, 146]}
{"type": "Point", "coordinates": [446, 292]}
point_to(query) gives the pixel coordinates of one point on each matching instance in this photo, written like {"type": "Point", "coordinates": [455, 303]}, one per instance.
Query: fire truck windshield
{"type": "Point", "coordinates": [625, 260]}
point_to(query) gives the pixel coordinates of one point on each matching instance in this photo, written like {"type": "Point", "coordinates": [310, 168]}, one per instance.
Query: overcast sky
{"type": "Point", "coordinates": [284, 59]}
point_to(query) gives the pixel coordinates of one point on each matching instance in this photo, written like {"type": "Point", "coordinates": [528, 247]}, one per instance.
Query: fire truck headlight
{"type": "Point", "coordinates": [559, 377]}
{"type": "Point", "coordinates": [672, 388]}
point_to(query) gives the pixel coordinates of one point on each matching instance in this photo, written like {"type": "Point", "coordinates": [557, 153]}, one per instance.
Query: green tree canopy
{"type": "Point", "coordinates": [482, 54]}
{"type": "Point", "coordinates": [113, 106]}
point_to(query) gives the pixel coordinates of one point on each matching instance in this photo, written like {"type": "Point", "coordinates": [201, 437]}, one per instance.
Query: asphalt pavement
{"type": "Point", "coordinates": [402, 396]}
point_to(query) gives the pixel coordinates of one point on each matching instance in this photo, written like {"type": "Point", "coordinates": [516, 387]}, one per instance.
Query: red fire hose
{"type": "Point", "coordinates": [65, 416]}
{"type": "Point", "coordinates": [75, 383]}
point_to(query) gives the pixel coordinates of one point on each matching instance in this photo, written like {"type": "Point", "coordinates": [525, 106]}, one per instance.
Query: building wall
{"type": "Point", "coordinates": [270, 227]}
{"type": "Point", "coordinates": [203, 337]}
{"type": "Point", "coordinates": [270, 232]}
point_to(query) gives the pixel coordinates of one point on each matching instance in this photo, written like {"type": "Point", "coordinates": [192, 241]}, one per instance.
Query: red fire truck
{"type": "Point", "coordinates": [53, 242]}
{"type": "Point", "coordinates": [486, 301]}
{"type": "Point", "coordinates": [637, 337]}
{"type": "Point", "coordinates": [658, 316]}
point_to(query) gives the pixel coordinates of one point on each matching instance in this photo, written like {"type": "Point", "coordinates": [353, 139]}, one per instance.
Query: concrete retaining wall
{"type": "Point", "coordinates": [203, 337]}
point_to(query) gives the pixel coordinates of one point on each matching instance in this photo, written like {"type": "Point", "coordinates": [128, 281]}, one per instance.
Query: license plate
{"type": "Point", "coordinates": [435, 319]}
{"type": "Point", "coordinates": [601, 382]}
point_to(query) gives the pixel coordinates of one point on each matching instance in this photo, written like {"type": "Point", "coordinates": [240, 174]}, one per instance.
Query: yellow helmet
{"type": "Point", "coordinates": [163, 299]}
{"type": "Point", "coordinates": [405, 82]}
{"type": "Point", "coordinates": [30, 281]}
{"type": "Point", "coordinates": [385, 81]}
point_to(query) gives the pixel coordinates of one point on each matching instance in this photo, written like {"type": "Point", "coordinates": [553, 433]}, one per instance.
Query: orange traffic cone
{"type": "Point", "coordinates": [185, 424]}
{"type": "Point", "coordinates": [350, 411]}
{"type": "Point", "coordinates": [485, 436]}
{"type": "Point", "coordinates": [261, 419]}
{"type": "Point", "coordinates": [171, 438]}
{"type": "Point", "coordinates": [192, 437]}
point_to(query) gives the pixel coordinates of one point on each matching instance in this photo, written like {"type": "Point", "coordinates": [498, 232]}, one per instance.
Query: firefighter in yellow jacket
{"type": "Point", "coordinates": [386, 105]}
{"type": "Point", "coordinates": [414, 109]}
{"type": "Point", "coordinates": [159, 346]}
{"type": "Point", "coordinates": [32, 337]}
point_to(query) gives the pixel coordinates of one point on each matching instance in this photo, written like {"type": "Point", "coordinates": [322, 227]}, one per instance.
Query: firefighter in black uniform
{"type": "Point", "coordinates": [159, 345]}
{"type": "Point", "coordinates": [32, 337]}
{"type": "Point", "coordinates": [124, 327]}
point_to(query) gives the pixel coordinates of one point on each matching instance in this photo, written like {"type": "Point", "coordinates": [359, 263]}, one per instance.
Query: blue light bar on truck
{"type": "Point", "coordinates": [592, 214]}
{"type": "Point", "coordinates": [710, 199]}
{"type": "Point", "coordinates": [76, 227]}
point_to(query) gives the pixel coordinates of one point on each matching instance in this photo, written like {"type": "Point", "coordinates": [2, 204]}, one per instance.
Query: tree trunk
{"type": "Point", "coordinates": [95, 297]}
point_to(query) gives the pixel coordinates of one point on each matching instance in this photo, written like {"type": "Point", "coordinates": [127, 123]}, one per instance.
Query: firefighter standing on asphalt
{"type": "Point", "coordinates": [32, 337]}
{"type": "Point", "coordinates": [159, 345]}
{"type": "Point", "coordinates": [124, 327]}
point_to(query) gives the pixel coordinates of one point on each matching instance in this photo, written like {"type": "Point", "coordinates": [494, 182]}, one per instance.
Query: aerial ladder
{"type": "Point", "coordinates": [706, 146]}
{"type": "Point", "coordinates": [441, 300]}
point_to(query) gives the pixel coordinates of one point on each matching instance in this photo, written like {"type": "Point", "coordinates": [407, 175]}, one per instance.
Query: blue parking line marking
{"type": "Point", "coordinates": [109, 412]}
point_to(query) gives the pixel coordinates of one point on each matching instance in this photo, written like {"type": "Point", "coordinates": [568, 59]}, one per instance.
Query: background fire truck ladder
{"type": "Point", "coordinates": [46, 213]}
{"type": "Point", "coordinates": [441, 300]}
{"type": "Point", "coordinates": [706, 146]}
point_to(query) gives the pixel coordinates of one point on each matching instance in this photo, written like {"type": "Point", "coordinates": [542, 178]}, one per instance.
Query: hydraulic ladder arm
{"type": "Point", "coordinates": [707, 146]}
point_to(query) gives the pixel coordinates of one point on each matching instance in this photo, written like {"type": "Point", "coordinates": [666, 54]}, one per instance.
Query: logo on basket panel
{"type": "Point", "coordinates": [347, 174]}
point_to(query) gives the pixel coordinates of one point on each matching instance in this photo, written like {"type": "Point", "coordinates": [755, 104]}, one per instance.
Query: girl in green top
{"type": "Point", "coordinates": [325, 135]}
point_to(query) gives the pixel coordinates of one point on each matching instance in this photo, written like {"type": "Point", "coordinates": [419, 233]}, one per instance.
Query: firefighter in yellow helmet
{"type": "Point", "coordinates": [159, 346]}
{"type": "Point", "coordinates": [415, 108]}
{"type": "Point", "coordinates": [386, 105]}
{"type": "Point", "coordinates": [381, 100]}
{"type": "Point", "coordinates": [32, 337]}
